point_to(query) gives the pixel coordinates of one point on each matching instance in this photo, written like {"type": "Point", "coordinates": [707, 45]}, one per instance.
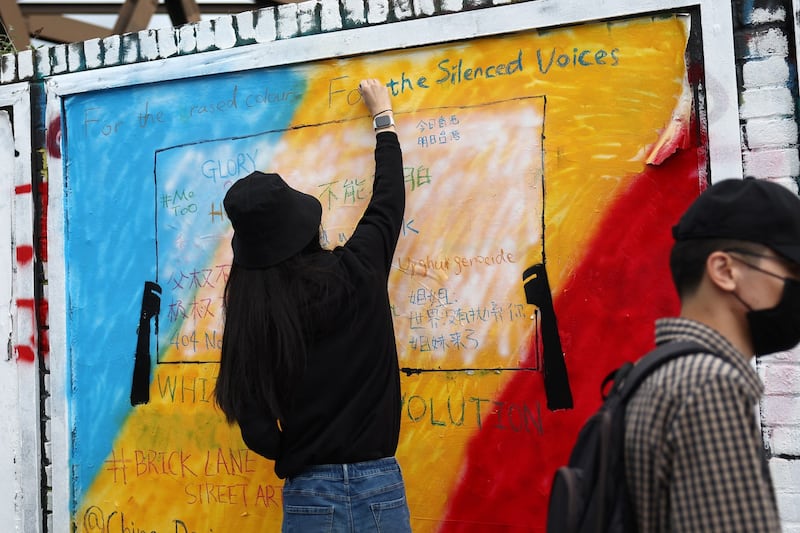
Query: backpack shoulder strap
{"type": "Point", "coordinates": [654, 359]}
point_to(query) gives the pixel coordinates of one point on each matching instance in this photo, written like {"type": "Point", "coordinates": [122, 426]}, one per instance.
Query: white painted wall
{"type": "Point", "coordinates": [8, 402]}
{"type": "Point", "coordinates": [20, 457]}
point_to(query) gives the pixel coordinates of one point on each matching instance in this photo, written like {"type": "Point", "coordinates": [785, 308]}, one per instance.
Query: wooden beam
{"type": "Point", "coordinates": [182, 11]}
{"type": "Point", "coordinates": [14, 24]}
{"type": "Point", "coordinates": [60, 29]}
{"type": "Point", "coordinates": [109, 8]}
{"type": "Point", "coordinates": [135, 15]}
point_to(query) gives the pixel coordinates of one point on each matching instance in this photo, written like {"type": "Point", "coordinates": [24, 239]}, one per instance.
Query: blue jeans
{"type": "Point", "coordinates": [347, 498]}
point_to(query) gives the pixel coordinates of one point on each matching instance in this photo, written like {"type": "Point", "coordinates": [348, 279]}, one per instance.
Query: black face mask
{"type": "Point", "coordinates": [775, 329]}
{"type": "Point", "coordinates": [778, 328]}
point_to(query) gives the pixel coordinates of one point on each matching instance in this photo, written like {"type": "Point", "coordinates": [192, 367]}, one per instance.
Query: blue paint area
{"type": "Point", "coordinates": [116, 211]}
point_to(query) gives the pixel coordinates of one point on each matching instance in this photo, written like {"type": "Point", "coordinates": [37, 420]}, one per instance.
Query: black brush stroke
{"type": "Point", "coordinates": [556, 382]}
{"type": "Point", "coordinates": [151, 305]}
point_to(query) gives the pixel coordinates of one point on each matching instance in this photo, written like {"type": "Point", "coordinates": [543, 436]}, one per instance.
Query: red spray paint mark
{"type": "Point", "coordinates": [26, 303]}
{"type": "Point", "coordinates": [54, 138]}
{"type": "Point", "coordinates": [23, 189]}
{"type": "Point", "coordinates": [27, 352]}
{"type": "Point", "coordinates": [24, 254]}
{"type": "Point", "coordinates": [39, 312]}
{"type": "Point", "coordinates": [605, 315]}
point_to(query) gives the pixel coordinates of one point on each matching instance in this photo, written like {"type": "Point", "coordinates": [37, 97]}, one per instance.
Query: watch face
{"type": "Point", "coordinates": [383, 121]}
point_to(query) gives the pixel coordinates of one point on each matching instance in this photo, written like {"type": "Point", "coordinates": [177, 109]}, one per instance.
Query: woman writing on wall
{"type": "Point", "coordinates": [309, 365]}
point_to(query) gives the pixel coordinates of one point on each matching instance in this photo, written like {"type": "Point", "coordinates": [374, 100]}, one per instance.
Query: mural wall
{"type": "Point", "coordinates": [543, 170]}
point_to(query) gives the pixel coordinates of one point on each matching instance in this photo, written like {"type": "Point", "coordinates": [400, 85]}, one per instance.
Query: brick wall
{"type": "Point", "coordinates": [764, 37]}
{"type": "Point", "coordinates": [764, 33]}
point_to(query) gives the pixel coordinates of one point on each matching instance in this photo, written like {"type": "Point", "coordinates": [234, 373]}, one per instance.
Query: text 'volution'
{"type": "Point", "coordinates": [473, 412]}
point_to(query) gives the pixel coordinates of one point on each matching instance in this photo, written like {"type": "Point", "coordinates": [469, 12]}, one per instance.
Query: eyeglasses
{"type": "Point", "coordinates": [792, 267]}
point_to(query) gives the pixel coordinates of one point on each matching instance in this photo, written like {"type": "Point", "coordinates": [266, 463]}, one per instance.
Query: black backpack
{"type": "Point", "coordinates": [590, 494]}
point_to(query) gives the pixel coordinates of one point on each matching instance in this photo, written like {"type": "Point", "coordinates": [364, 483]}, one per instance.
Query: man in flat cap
{"type": "Point", "coordinates": [694, 456]}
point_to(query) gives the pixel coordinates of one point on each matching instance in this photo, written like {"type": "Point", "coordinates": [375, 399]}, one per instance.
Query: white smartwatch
{"type": "Point", "coordinates": [382, 121]}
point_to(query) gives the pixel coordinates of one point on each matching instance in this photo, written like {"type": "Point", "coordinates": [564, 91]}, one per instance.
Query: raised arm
{"type": "Point", "coordinates": [376, 234]}
{"type": "Point", "coordinates": [379, 103]}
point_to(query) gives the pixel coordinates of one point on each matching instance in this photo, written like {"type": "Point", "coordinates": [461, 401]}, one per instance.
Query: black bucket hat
{"type": "Point", "coordinates": [271, 221]}
{"type": "Point", "coordinates": [752, 210]}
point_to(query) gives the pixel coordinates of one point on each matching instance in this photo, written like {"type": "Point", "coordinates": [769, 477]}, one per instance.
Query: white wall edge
{"type": "Point", "coordinates": [9, 425]}
{"type": "Point", "coordinates": [722, 91]}
{"type": "Point", "coordinates": [59, 390]}
{"type": "Point", "coordinates": [27, 413]}
{"type": "Point", "coordinates": [14, 93]}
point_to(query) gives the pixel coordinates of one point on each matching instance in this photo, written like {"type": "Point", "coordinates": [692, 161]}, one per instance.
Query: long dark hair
{"type": "Point", "coordinates": [270, 318]}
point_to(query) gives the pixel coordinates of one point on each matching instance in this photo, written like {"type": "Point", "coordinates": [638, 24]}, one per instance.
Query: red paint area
{"type": "Point", "coordinates": [27, 352]}
{"type": "Point", "coordinates": [23, 189]}
{"type": "Point", "coordinates": [39, 311]}
{"type": "Point", "coordinates": [24, 254]}
{"type": "Point", "coordinates": [605, 312]}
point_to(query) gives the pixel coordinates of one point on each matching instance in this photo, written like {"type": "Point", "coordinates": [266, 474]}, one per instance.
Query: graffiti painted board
{"type": "Point", "coordinates": [543, 170]}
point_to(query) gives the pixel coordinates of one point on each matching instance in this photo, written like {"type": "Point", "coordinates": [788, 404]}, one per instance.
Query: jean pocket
{"type": "Point", "coordinates": [391, 516]}
{"type": "Point", "coordinates": [306, 518]}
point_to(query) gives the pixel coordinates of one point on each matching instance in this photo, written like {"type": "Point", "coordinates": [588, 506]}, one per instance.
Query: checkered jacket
{"type": "Point", "coordinates": [694, 455]}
